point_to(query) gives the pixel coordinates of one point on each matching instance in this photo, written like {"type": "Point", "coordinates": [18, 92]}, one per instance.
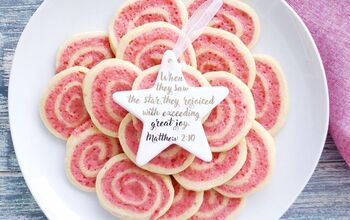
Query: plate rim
{"type": "Point", "coordinates": [325, 81]}
{"type": "Point", "coordinates": [284, 3]}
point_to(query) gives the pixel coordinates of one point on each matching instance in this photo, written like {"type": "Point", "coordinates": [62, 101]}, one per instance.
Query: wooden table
{"type": "Point", "coordinates": [327, 195]}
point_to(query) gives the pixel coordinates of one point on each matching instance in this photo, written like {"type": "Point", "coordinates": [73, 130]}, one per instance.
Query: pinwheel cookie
{"type": "Point", "coordinates": [129, 192]}
{"type": "Point", "coordinates": [270, 94]}
{"type": "Point", "coordinates": [144, 46]}
{"type": "Point", "coordinates": [218, 50]}
{"type": "Point", "coordinates": [232, 119]}
{"type": "Point", "coordinates": [103, 80]}
{"type": "Point", "coordinates": [87, 152]}
{"type": "Point", "coordinates": [257, 168]}
{"type": "Point", "coordinates": [135, 13]}
{"type": "Point", "coordinates": [186, 203]}
{"type": "Point", "coordinates": [217, 206]}
{"type": "Point", "coordinates": [62, 106]}
{"type": "Point", "coordinates": [173, 160]}
{"type": "Point", "coordinates": [85, 49]}
{"type": "Point", "coordinates": [235, 17]}
{"type": "Point", "coordinates": [200, 175]}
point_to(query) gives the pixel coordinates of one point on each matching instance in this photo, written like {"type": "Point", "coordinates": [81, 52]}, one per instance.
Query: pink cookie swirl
{"type": "Point", "coordinates": [201, 176]}
{"type": "Point", "coordinates": [87, 152]}
{"type": "Point", "coordinates": [86, 49]}
{"type": "Point", "coordinates": [257, 168]}
{"type": "Point", "coordinates": [232, 119]}
{"type": "Point", "coordinates": [102, 81]}
{"type": "Point", "coordinates": [235, 17]}
{"type": "Point", "coordinates": [172, 160]}
{"type": "Point", "coordinates": [135, 13]}
{"type": "Point", "coordinates": [62, 107]}
{"type": "Point", "coordinates": [145, 45]}
{"type": "Point", "coordinates": [270, 94]}
{"type": "Point", "coordinates": [129, 192]}
{"type": "Point", "coordinates": [218, 50]}
{"type": "Point", "coordinates": [186, 203]}
{"type": "Point", "coordinates": [217, 206]}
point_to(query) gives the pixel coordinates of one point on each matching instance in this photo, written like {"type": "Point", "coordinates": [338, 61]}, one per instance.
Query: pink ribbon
{"type": "Point", "coordinates": [196, 24]}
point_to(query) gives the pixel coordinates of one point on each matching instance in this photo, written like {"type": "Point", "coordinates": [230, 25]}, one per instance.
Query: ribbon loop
{"type": "Point", "coordinates": [196, 24]}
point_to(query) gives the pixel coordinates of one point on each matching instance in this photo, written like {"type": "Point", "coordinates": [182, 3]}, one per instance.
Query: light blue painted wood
{"type": "Point", "coordinates": [327, 196]}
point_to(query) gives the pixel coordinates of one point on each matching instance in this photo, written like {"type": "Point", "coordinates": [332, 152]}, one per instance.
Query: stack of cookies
{"type": "Point", "coordinates": [103, 138]}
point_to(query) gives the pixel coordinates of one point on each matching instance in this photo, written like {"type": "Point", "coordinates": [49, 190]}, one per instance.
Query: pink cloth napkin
{"type": "Point", "coordinates": [329, 23]}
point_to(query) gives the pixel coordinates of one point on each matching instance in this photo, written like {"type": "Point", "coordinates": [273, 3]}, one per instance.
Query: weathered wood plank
{"type": "Point", "coordinates": [14, 15]}
{"type": "Point", "coordinates": [326, 196]}
{"type": "Point", "coordinates": [330, 152]}
{"type": "Point", "coordinates": [16, 202]}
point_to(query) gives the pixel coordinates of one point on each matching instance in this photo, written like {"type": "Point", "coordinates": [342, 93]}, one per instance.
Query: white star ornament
{"type": "Point", "coordinates": [171, 112]}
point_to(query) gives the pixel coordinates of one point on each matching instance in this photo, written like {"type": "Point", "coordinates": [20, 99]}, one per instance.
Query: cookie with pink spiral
{"type": "Point", "coordinates": [217, 206]}
{"type": "Point", "coordinates": [144, 46]}
{"type": "Point", "coordinates": [130, 192]}
{"type": "Point", "coordinates": [103, 80]}
{"type": "Point", "coordinates": [85, 49]}
{"type": "Point", "coordinates": [235, 17]}
{"type": "Point", "coordinates": [218, 50]}
{"type": "Point", "coordinates": [257, 168]}
{"type": "Point", "coordinates": [186, 203]}
{"type": "Point", "coordinates": [87, 152]}
{"type": "Point", "coordinates": [172, 160]}
{"type": "Point", "coordinates": [232, 119]}
{"type": "Point", "coordinates": [200, 175]}
{"type": "Point", "coordinates": [62, 106]}
{"type": "Point", "coordinates": [270, 94]}
{"type": "Point", "coordinates": [135, 13]}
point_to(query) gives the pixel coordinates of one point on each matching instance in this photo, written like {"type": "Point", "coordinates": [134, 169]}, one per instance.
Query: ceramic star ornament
{"type": "Point", "coordinates": [171, 112]}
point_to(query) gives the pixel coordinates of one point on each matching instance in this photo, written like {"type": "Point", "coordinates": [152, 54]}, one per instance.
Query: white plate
{"type": "Point", "coordinates": [41, 156]}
